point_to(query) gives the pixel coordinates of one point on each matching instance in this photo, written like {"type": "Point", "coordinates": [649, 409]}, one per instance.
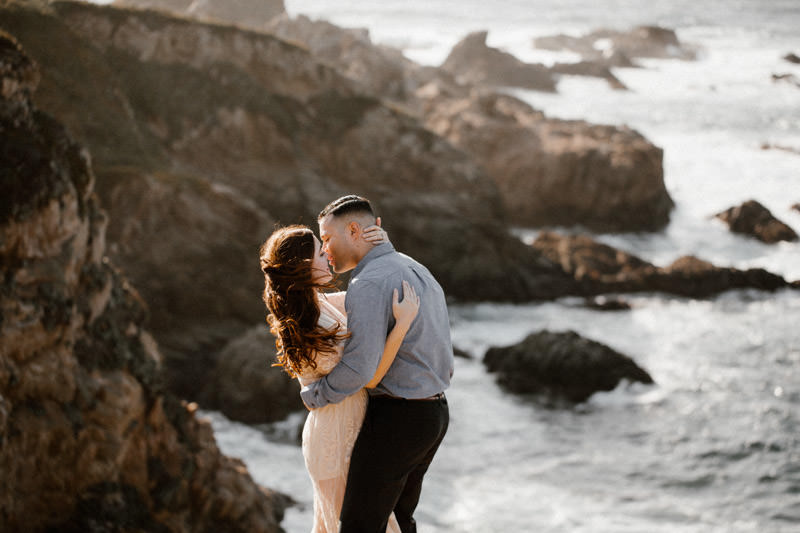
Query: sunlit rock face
{"type": "Point", "coordinates": [556, 172]}
{"type": "Point", "coordinates": [88, 437]}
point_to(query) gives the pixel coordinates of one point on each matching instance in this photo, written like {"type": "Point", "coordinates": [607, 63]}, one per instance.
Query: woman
{"type": "Point", "coordinates": [310, 327]}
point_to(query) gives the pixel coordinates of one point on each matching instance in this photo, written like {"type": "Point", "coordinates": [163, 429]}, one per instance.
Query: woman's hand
{"type": "Point", "coordinates": [405, 311]}
{"type": "Point", "coordinates": [375, 234]}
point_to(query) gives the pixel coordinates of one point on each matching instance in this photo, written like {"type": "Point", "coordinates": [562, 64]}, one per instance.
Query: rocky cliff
{"type": "Point", "coordinates": [205, 135]}
{"type": "Point", "coordinates": [89, 439]}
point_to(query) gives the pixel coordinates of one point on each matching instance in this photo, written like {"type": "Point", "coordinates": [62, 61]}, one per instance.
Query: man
{"type": "Point", "coordinates": [407, 415]}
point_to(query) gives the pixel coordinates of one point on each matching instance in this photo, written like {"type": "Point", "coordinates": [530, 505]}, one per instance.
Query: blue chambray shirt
{"type": "Point", "coordinates": [424, 364]}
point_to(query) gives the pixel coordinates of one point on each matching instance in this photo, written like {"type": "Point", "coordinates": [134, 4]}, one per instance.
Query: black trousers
{"type": "Point", "coordinates": [396, 445]}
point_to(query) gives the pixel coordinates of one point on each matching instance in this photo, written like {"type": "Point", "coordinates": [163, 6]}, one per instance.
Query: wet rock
{"type": "Point", "coordinates": [786, 78]}
{"type": "Point", "coordinates": [796, 206]}
{"type": "Point", "coordinates": [89, 439]}
{"type": "Point", "coordinates": [561, 366]}
{"type": "Point", "coordinates": [603, 303]}
{"type": "Point", "coordinates": [640, 42]}
{"type": "Point", "coordinates": [792, 58]}
{"type": "Point", "coordinates": [599, 268]}
{"type": "Point", "coordinates": [590, 68]}
{"type": "Point", "coordinates": [472, 61]}
{"type": "Point", "coordinates": [752, 218]}
{"type": "Point", "coordinates": [556, 172]}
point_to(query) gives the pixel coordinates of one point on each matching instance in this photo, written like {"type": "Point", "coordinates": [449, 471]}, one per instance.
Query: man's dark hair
{"type": "Point", "coordinates": [347, 204]}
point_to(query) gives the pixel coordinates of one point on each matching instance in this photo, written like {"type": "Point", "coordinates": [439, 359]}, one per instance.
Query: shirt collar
{"type": "Point", "coordinates": [377, 251]}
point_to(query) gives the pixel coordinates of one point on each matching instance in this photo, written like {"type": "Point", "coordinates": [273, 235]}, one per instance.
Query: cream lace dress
{"type": "Point", "coordinates": [330, 432]}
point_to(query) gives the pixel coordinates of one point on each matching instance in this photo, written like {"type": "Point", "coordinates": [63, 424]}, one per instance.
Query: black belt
{"type": "Point", "coordinates": [439, 396]}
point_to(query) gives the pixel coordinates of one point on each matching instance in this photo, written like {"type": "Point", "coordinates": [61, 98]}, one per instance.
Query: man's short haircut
{"type": "Point", "coordinates": [346, 205]}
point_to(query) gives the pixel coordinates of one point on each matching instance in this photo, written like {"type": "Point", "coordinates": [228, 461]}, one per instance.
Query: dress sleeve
{"type": "Point", "coordinates": [337, 300]}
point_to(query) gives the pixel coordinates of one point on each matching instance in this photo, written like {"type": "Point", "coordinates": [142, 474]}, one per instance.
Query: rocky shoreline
{"type": "Point", "coordinates": [203, 136]}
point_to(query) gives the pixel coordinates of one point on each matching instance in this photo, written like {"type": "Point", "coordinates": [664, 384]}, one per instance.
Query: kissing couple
{"type": "Point", "coordinates": [373, 363]}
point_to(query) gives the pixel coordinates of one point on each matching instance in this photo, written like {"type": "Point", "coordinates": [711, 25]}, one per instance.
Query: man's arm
{"type": "Point", "coordinates": [368, 316]}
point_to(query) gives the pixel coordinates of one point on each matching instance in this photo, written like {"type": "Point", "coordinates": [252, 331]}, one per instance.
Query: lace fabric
{"type": "Point", "coordinates": [329, 435]}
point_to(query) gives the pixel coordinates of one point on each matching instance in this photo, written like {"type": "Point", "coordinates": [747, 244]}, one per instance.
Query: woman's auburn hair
{"type": "Point", "coordinates": [290, 294]}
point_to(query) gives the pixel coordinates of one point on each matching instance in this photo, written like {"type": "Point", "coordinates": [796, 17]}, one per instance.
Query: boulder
{"type": "Point", "coordinates": [89, 438]}
{"type": "Point", "coordinates": [556, 172]}
{"type": "Point", "coordinates": [640, 42]}
{"type": "Point", "coordinates": [473, 62]}
{"type": "Point", "coordinates": [245, 385]}
{"type": "Point", "coordinates": [599, 268]}
{"type": "Point", "coordinates": [752, 218]}
{"type": "Point", "coordinates": [561, 366]}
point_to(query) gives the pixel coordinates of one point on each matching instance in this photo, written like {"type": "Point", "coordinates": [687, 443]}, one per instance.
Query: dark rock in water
{"type": "Point", "coordinates": [786, 78]}
{"type": "Point", "coordinates": [796, 206]}
{"type": "Point", "coordinates": [461, 353]}
{"type": "Point", "coordinates": [590, 68]}
{"type": "Point", "coordinates": [245, 387]}
{"type": "Point", "coordinates": [601, 303]}
{"type": "Point", "coordinates": [752, 218]}
{"type": "Point", "coordinates": [89, 438]}
{"type": "Point", "coordinates": [599, 268]}
{"type": "Point", "coordinates": [561, 365]}
{"type": "Point", "coordinates": [792, 58]}
{"type": "Point", "coordinates": [642, 41]}
{"type": "Point", "coordinates": [472, 61]}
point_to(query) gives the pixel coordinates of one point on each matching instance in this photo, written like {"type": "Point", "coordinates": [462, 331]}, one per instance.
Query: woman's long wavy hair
{"type": "Point", "coordinates": [290, 294]}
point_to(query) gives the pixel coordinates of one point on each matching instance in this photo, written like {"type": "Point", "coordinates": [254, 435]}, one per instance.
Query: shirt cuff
{"type": "Point", "coordinates": [309, 397]}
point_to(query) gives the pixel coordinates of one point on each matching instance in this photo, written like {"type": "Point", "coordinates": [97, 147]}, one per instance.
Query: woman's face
{"type": "Point", "coordinates": [320, 273]}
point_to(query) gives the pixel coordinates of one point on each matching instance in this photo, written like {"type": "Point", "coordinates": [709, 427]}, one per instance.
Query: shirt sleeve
{"type": "Point", "coordinates": [368, 319]}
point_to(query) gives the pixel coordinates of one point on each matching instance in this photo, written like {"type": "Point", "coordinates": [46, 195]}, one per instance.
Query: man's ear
{"type": "Point", "coordinates": [353, 229]}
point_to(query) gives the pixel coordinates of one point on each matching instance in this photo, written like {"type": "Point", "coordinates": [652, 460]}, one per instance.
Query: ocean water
{"type": "Point", "coordinates": [714, 446]}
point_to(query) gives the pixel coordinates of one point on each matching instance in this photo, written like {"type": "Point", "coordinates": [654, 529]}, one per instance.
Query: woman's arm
{"type": "Point", "coordinates": [404, 314]}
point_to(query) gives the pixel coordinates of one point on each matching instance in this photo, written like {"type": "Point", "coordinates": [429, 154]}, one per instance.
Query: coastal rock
{"type": "Point", "coordinates": [594, 69]}
{"type": "Point", "coordinates": [174, 234]}
{"type": "Point", "coordinates": [792, 58]}
{"type": "Point", "coordinates": [752, 218]}
{"type": "Point", "coordinates": [254, 14]}
{"type": "Point", "coordinates": [796, 206]}
{"type": "Point", "coordinates": [640, 42]}
{"type": "Point", "coordinates": [556, 172]}
{"type": "Point", "coordinates": [253, 131]}
{"type": "Point", "coordinates": [472, 61]}
{"type": "Point", "coordinates": [378, 69]}
{"type": "Point", "coordinates": [599, 268]}
{"type": "Point", "coordinates": [561, 366]}
{"type": "Point", "coordinates": [246, 387]}
{"type": "Point", "coordinates": [89, 440]}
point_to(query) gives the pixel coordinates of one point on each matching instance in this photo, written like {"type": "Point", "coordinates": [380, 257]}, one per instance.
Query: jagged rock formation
{"type": "Point", "coordinates": [642, 41]}
{"type": "Point", "coordinates": [599, 268]}
{"type": "Point", "coordinates": [89, 439]}
{"type": "Point", "coordinates": [472, 62]}
{"type": "Point", "coordinates": [558, 172]}
{"type": "Point", "coordinates": [752, 218]}
{"type": "Point", "coordinates": [561, 366]}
